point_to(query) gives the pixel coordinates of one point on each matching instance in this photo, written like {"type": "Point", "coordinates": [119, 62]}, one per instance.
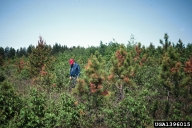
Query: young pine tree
{"type": "Point", "coordinates": [171, 72]}
{"type": "Point", "coordinates": [188, 78]}
{"type": "Point", "coordinates": [122, 70]}
{"type": "Point", "coordinates": [93, 88]}
{"type": "Point", "coordinates": [165, 44]}
{"type": "Point", "coordinates": [171, 76]}
{"type": "Point", "coordinates": [40, 56]}
{"type": "Point", "coordinates": [139, 55]}
{"type": "Point", "coordinates": [187, 81]}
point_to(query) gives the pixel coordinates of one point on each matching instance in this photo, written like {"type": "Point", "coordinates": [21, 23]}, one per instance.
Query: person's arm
{"type": "Point", "coordinates": [78, 70]}
{"type": "Point", "coordinates": [70, 73]}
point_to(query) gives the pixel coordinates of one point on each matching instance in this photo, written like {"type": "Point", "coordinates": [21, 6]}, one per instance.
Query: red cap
{"type": "Point", "coordinates": [71, 61]}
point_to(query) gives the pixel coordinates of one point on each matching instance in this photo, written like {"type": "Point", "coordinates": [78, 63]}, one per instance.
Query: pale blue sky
{"type": "Point", "coordinates": [87, 22]}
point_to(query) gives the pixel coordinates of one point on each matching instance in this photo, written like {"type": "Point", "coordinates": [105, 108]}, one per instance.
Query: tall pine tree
{"type": "Point", "coordinates": [122, 70]}
{"type": "Point", "coordinates": [171, 77]}
{"type": "Point", "coordinates": [39, 57]}
{"type": "Point", "coordinates": [92, 88]}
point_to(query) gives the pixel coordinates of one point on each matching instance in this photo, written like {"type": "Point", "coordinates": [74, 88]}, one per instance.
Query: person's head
{"type": "Point", "coordinates": [71, 61]}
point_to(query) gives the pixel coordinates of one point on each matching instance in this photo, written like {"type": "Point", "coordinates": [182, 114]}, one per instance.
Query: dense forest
{"type": "Point", "coordinates": [120, 85]}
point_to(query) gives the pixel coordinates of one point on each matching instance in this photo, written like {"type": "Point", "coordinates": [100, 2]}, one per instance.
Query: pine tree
{"type": "Point", "coordinates": [181, 49]}
{"type": "Point", "coordinates": [188, 50]}
{"type": "Point", "coordinates": [171, 70]}
{"type": "Point", "coordinates": [6, 52]}
{"type": "Point", "coordinates": [139, 54]}
{"type": "Point", "coordinates": [165, 44]}
{"type": "Point", "coordinates": [12, 52]}
{"type": "Point", "coordinates": [151, 49]}
{"type": "Point", "coordinates": [188, 78]}
{"type": "Point", "coordinates": [152, 56]}
{"type": "Point", "coordinates": [187, 90]}
{"type": "Point", "coordinates": [171, 77]}
{"type": "Point", "coordinates": [95, 75]}
{"type": "Point", "coordinates": [39, 57]}
{"type": "Point", "coordinates": [92, 88]}
{"type": "Point", "coordinates": [122, 70]}
{"type": "Point", "coordinates": [29, 49]}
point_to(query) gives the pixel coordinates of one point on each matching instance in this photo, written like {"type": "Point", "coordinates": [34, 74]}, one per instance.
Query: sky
{"type": "Point", "coordinates": [88, 22]}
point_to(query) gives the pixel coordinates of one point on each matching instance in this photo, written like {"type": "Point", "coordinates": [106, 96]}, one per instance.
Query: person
{"type": "Point", "coordinates": [74, 72]}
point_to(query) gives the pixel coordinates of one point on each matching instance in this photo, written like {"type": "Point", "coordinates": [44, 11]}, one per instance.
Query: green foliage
{"type": "Point", "coordinates": [61, 69]}
{"type": "Point", "coordinates": [1, 60]}
{"type": "Point", "coordinates": [188, 72]}
{"type": "Point", "coordinates": [177, 116]}
{"type": "Point", "coordinates": [165, 44]}
{"type": "Point", "coordinates": [39, 57]}
{"type": "Point", "coordinates": [122, 70]}
{"type": "Point", "coordinates": [9, 53]}
{"type": "Point", "coordinates": [146, 79]}
{"type": "Point", "coordinates": [33, 110]}
{"type": "Point", "coordinates": [23, 70]}
{"type": "Point", "coordinates": [9, 68]}
{"type": "Point", "coordinates": [110, 49]}
{"type": "Point", "coordinates": [46, 79]}
{"type": "Point", "coordinates": [171, 74]}
{"type": "Point", "coordinates": [130, 112]}
{"type": "Point", "coordinates": [22, 52]}
{"type": "Point", "coordinates": [24, 74]}
{"type": "Point", "coordinates": [62, 74]}
{"type": "Point", "coordinates": [69, 112]}
{"type": "Point", "coordinates": [92, 88]}
{"type": "Point", "coordinates": [2, 76]}
{"type": "Point", "coordinates": [188, 50]}
{"type": "Point", "coordinates": [174, 81]}
{"type": "Point", "coordinates": [138, 85]}
{"type": "Point", "coordinates": [10, 103]}
{"type": "Point", "coordinates": [58, 48]}
{"type": "Point", "coordinates": [2, 52]}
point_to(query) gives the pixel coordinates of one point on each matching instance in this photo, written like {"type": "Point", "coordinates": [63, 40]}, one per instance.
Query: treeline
{"type": "Point", "coordinates": [10, 52]}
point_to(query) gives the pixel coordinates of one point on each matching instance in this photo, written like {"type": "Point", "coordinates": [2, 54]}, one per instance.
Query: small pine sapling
{"type": "Point", "coordinates": [122, 71]}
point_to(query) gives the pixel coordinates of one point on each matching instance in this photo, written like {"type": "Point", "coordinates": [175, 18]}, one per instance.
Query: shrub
{"type": "Point", "coordinates": [69, 112]}
{"type": "Point", "coordinates": [10, 103]}
{"type": "Point", "coordinates": [33, 110]}
{"type": "Point", "coordinates": [130, 112]}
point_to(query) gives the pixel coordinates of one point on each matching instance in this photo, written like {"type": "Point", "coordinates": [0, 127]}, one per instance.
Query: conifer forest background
{"type": "Point", "coordinates": [120, 85]}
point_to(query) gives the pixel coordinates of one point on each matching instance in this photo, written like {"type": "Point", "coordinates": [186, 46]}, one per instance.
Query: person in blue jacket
{"type": "Point", "coordinates": [74, 71]}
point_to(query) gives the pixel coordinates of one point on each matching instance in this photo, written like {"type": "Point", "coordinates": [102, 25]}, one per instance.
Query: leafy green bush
{"type": "Point", "coordinates": [10, 103]}
{"type": "Point", "coordinates": [130, 112]}
{"type": "Point", "coordinates": [69, 112]}
{"type": "Point", "coordinates": [33, 110]}
{"type": "Point", "coordinates": [62, 72]}
{"type": "Point", "coordinates": [24, 74]}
